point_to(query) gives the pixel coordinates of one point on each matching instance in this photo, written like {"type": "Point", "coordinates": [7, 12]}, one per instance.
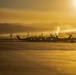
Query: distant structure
{"type": "Point", "coordinates": [28, 34]}
{"type": "Point", "coordinates": [11, 36]}
{"type": "Point", "coordinates": [50, 38]}
{"type": "Point", "coordinates": [70, 36]}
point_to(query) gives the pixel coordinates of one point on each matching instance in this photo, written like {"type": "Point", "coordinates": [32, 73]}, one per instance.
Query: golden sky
{"type": "Point", "coordinates": [44, 14]}
{"type": "Point", "coordinates": [36, 11]}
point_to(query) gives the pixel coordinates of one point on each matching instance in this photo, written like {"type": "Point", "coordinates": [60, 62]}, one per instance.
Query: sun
{"type": "Point", "coordinates": [74, 3]}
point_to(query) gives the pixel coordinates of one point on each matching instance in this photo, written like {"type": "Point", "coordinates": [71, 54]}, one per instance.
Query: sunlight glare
{"type": "Point", "coordinates": [74, 4]}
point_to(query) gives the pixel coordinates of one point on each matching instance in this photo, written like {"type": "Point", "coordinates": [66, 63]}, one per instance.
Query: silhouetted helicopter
{"type": "Point", "coordinates": [50, 38]}
{"type": "Point", "coordinates": [68, 39]}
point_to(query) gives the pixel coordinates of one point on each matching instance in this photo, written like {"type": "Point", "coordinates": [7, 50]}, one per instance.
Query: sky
{"type": "Point", "coordinates": [37, 11]}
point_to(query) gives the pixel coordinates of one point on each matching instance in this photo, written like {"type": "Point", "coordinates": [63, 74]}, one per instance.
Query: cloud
{"type": "Point", "coordinates": [14, 28]}
{"type": "Point", "coordinates": [7, 28]}
{"type": "Point", "coordinates": [29, 16]}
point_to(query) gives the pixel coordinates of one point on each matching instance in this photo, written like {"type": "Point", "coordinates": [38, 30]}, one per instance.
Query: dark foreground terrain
{"type": "Point", "coordinates": [17, 61]}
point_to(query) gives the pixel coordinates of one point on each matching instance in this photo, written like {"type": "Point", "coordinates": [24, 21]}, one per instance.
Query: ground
{"type": "Point", "coordinates": [37, 62]}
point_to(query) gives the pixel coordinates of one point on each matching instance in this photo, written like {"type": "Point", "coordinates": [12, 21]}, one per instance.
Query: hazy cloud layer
{"type": "Point", "coordinates": [6, 28]}
{"type": "Point", "coordinates": [21, 16]}
{"type": "Point", "coordinates": [14, 28]}
{"type": "Point", "coordinates": [43, 27]}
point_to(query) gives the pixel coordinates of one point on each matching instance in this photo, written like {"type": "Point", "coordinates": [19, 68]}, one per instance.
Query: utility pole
{"type": "Point", "coordinates": [11, 36]}
{"type": "Point", "coordinates": [28, 34]}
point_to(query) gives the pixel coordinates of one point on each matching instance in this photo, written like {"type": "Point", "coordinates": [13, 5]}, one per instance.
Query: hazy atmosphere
{"type": "Point", "coordinates": [45, 15]}
{"type": "Point", "coordinates": [37, 37]}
